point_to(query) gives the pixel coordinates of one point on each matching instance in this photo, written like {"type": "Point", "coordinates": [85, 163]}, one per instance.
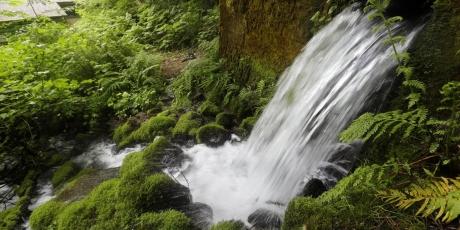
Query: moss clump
{"type": "Point", "coordinates": [11, 217]}
{"type": "Point", "coordinates": [164, 113]}
{"type": "Point", "coordinates": [249, 123]}
{"type": "Point", "coordinates": [115, 203]}
{"type": "Point", "coordinates": [122, 132]}
{"type": "Point", "coordinates": [27, 184]}
{"type": "Point", "coordinates": [163, 221]}
{"type": "Point", "coordinates": [45, 215]}
{"type": "Point", "coordinates": [212, 134]}
{"type": "Point", "coordinates": [225, 120]}
{"type": "Point", "coordinates": [351, 204]}
{"type": "Point", "coordinates": [64, 173]}
{"type": "Point", "coordinates": [229, 225]}
{"type": "Point", "coordinates": [187, 124]}
{"type": "Point", "coordinates": [155, 126]}
{"type": "Point", "coordinates": [209, 109]}
{"type": "Point", "coordinates": [97, 207]}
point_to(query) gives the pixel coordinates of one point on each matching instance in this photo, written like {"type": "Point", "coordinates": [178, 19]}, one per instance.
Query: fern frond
{"type": "Point", "coordinates": [369, 125]}
{"type": "Point", "coordinates": [414, 83]}
{"type": "Point", "coordinates": [443, 196]}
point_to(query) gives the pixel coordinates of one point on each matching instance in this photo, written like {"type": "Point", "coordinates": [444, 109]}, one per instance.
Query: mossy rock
{"type": "Point", "coordinates": [10, 218]}
{"type": "Point", "coordinates": [187, 126]}
{"type": "Point", "coordinates": [64, 173]}
{"type": "Point", "coordinates": [155, 126]}
{"type": "Point", "coordinates": [229, 225]}
{"type": "Point", "coordinates": [209, 109]}
{"type": "Point", "coordinates": [225, 120]}
{"type": "Point", "coordinates": [84, 182]}
{"type": "Point", "coordinates": [168, 220]}
{"type": "Point", "coordinates": [249, 123]}
{"type": "Point", "coordinates": [27, 184]}
{"type": "Point", "coordinates": [158, 193]}
{"type": "Point", "coordinates": [82, 141]}
{"type": "Point", "coordinates": [137, 165]}
{"type": "Point", "coordinates": [98, 206]}
{"type": "Point", "coordinates": [212, 135]}
{"type": "Point", "coordinates": [44, 216]}
{"type": "Point", "coordinates": [122, 132]}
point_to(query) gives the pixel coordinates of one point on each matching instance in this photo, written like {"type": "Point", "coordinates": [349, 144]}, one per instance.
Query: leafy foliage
{"type": "Point", "coordinates": [441, 196]}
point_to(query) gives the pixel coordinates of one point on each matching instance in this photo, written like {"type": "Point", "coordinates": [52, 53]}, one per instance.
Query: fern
{"type": "Point", "coordinates": [371, 125]}
{"type": "Point", "coordinates": [442, 196]}
{"type": "Point", "coordinates": [363, 178]}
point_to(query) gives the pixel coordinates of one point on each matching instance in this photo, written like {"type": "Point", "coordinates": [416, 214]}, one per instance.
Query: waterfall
{"type": "Point", "coordinates": [341, 69]}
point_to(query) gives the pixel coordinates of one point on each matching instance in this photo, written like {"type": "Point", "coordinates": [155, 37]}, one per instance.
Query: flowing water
{"type": "Point", "coordinates": [341, 69]}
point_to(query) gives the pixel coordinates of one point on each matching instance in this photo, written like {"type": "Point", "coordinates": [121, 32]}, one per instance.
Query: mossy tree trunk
{"type": "Point", "coordinates": [260, 39]}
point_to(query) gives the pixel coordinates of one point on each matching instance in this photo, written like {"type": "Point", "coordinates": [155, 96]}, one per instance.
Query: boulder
{"type": "Point", "coordinates": [212, 135]}
{"type": "Point", "coordinates": [200, 215]}
{"type": "Point", "coordinates": [314, 188]}
{"type": "Point", "coordinates": [265, 219]}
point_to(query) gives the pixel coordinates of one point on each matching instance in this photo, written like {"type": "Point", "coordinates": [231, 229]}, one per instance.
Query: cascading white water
{"type": "Point", "coordinates": [317, 97]}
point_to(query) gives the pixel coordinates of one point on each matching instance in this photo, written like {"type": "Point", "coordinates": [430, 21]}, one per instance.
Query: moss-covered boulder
{"type": "Point", "coordinates": [10, 218]}
{"type": "Point", "coordinates": [249, 123]}
{"type": "Point", "coordinates": [27, 184]}
{"type": "Point", "coordinates": [168, 220]}
{"type": "Point", "coordinates": [123, 131]}
{"type": "Point", "coordinates": [187, 126]}
{"type": "Point", "coordinates": [145, 186]}
{"type": "Point", "coordinates": [82, 142]}
{"type": "Point", "coordinates": [44, 217]}
{"type": "Point", "coordinates": [209, 109]}
{"type": "Point", "coordinates": [156, 193]}
{"type": "Point", "coordinates": [84, 182]}
{"type": "Point", "coordinates": [64, 173]}
{"type": "Point", "coordinates": [229, 225]}
{"type": "Point", "coordinates": [212, 135]}
{"type": "Point", "coordinates": [225, 120]}
{"type": "Point", "coordinates": [155, 126]}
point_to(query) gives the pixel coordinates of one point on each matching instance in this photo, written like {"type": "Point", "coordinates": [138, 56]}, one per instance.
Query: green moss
{"type": "Point", "coordinates": [155, 126]}
{"type": "Point", "coordinates": [137, 166]}
{"type": "Point", "coordinates": [98, 206]}
{"type": "Point", "coordinates": [45, 215]}
{"type": "Point", "coordinates": [152, 195]}
{"type": "Point", "coordinates": [64, 173]}
{"type": "Point", "coordinates": [11, 217]}
{"type": "Point", "coordinates": [229, 225]}
{"type": "Point", "coordinates": [188, 124]}
{"type": "Point", "coordinates": [209, 109]}
{"type": "Point", "coordinates": [169, 220]}
{"type": "Point", "coordinates": [164, 113]}
{"type": "Point", "coordinates": [249, 123]}
{"type": "Point", "coordinates": [204, 133]}
{"type": "Point", "coordinates": [122, 132]}
{"type": "Point", "coordinates": [27, 184]}
{"type": "Point", "coordinates": [225, 120]}
{"type": "Point", "coordinates": [57, 158]}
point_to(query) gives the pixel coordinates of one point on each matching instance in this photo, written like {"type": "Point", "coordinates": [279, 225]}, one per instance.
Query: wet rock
{"type": "Point", "coordinates": [265, 219]}
{"type": "Point", "coordinates": [172, 157]}
{"type": "Point", "coordinates": [314, 188]}
{"type": "Point", "coordinates": [225, 120]}
{"type": "Point", "coordinates": [200, 215]}
{"type": "Point", "coordinates": [212, 135]}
